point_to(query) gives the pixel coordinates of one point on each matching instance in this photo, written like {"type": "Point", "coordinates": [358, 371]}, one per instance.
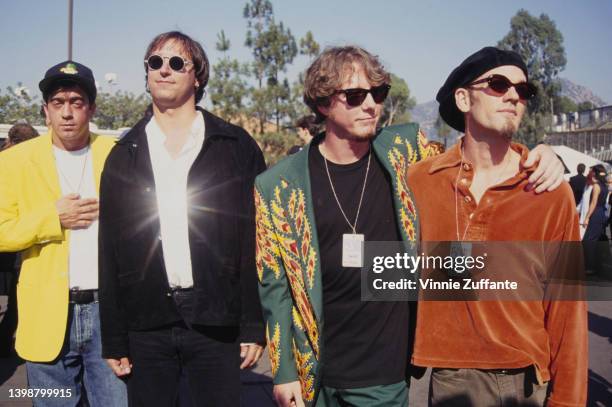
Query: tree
{"type": "Point", "coordinates": [228, 87]}
{"type": "Point", "coordinates": [274, 48]}
{"type": "Point", "coordinates": [296, 107]}
{"type": "Point", "coordinates": [280, 51]}
{"type": "Point", "coordinates": [258, 14]}
{"type": "Point", "coordinates": [121, 109]}
{"type": "Point", "coordinates": [587, 105]}
{"type": "Point", "coordinates": [538, 41]}
{"type": "Point", "coordinates": [274, 145]}
{"type": "Point", "coordinates": [308, 45]}
{"type": "Point", "coordinates": [443, 130]}
{"type": "Point", "coordinates": [113, 111]}
{"type": "Point", "coordinates": [398, 103]}
{"type": "Point", "coordinates": [563, 104]}
{"type": "Point", "coordinates": [17, 106]}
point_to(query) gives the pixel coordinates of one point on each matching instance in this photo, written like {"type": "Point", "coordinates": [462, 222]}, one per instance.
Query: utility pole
{"type": "Point", "coordinates": [70, 30]}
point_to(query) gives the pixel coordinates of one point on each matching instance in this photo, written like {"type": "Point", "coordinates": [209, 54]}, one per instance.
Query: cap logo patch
{"type": "Point", "coordinates": [69, 69]}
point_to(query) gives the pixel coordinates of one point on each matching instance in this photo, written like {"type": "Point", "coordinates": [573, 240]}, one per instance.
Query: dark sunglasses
{"type": "Point", "coordinates": [501, 84]}
{"type": "Point", "coordinates": [155, 62]}
{"type": "Point", "coordinates": [356, 96]}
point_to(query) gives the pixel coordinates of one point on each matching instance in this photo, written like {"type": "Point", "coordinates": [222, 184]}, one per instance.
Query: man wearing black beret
{"type": "Point", "coordinates": [484, 353]}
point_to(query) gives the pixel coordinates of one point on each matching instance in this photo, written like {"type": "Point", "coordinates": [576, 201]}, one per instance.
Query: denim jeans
{"type": "Point", "coordinates": [79, 365]}
{"type": "Point", "coordinates": [208, 357]}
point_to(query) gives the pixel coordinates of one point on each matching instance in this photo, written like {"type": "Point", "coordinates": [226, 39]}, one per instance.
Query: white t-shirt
{"type": "Point", "coordinates": [75, 173]}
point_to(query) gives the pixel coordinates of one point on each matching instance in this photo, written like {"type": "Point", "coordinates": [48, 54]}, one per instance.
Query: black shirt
{"type": "Point", "coordinates": [577, 182]}
{"type": "Point", "coordinates": [365, 343]}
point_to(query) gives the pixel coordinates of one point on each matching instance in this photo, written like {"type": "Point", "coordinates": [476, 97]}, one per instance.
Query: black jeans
{"type": "Point", "coordinates": [209, 356]}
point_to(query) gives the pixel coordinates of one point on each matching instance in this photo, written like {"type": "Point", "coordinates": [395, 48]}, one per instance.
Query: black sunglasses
{"type": "Point", "coordinates": [155, 62]}
{"type": "Point", "coordinates": [356, 96]}
{"type": "Point", "coordinates": [501, 84]}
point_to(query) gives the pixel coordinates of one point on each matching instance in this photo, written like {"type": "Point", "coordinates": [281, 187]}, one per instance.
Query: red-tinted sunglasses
{"type": "Point", "coordinates": [356, 96]}
{"type": "Point", "coordinates": [501, 84]}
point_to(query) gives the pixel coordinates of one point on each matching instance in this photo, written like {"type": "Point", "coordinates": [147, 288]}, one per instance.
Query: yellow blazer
{"type": "Point", "coordinates": [29, 188]}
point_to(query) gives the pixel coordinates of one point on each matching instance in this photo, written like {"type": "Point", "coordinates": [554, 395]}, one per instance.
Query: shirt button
{"type": "Point", "coordinates": [467, 199]}
{"type": "Point", "coordinates": [471, 215]}
{"type": "Point", "coordinates": [168, 294]}
{"type": "Point", "coordinates": [148, 189]}
{"type": "Point", "coordinates": [464, 181]}
{"type": "Point", "coordinates": [467, 167]}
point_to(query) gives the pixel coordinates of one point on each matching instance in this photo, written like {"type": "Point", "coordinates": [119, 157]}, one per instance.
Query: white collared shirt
{"type": "Point", "coordinates": [171, 191]}
{"type": "Point", "coordinates": [75, 173]}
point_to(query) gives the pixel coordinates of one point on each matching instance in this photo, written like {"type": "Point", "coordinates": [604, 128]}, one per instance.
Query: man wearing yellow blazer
{"type": "Point", "coordinates": [49, 209]}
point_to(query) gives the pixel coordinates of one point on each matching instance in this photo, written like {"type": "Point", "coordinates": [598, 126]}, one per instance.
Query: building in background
{"type": "Point", "coordinates": [588, 131]}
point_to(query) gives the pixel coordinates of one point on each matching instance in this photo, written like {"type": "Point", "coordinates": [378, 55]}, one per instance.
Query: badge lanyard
{"type": "Point", "coordinates": [352, 247]}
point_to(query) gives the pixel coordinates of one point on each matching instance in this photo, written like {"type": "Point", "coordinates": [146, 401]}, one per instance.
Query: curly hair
{"type": "Point", "coordinates": [330, 70]}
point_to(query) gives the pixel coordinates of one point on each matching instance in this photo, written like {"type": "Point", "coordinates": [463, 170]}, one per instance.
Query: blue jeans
{"type": "Point", "coordinates": [79, 364]}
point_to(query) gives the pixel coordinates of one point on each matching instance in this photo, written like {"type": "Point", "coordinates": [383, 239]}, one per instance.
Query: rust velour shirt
{"type": "Point", "coordinates": [549, 335]}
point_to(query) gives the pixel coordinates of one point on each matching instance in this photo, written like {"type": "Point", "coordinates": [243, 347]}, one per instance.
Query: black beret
{"type": "Point", "coordinates": [470, 69]}
{"type": "Point", "coordinates": [69, 71]}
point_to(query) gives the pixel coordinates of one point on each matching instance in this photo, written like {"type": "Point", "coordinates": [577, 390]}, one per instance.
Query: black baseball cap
{"type": "Point", "coordinates": [475, 65]}
{"type": "Point", "coordinates": [69, 71]}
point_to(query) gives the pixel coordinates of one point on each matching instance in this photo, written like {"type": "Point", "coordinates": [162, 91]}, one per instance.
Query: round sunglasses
{"type": "Point", "coordinates": [501, 84]}
{"type": "Point", "coordinates": [155, 62]}
{"type": "Point", "coordinates": [356, 96]}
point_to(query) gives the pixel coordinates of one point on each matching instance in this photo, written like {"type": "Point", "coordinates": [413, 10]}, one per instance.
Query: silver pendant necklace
{"type": "Point", "coordinates": [78, 189]}
{"type": "Point", "coordinates": [352, 243]}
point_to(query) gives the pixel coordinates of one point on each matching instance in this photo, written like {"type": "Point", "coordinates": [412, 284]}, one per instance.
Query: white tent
{"type": "Point", "coordinates": [571, 158]}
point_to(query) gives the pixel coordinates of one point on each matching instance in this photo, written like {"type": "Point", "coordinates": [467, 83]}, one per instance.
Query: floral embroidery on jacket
{"type": "Point", "coordinates": [400, 168]}
{"type": "Point", "coordinates": [297, 319]}
{"type": "Point", "coordinates": [293, 234]}
{"type": "Point", "coordinates": [304, 367]}
{"type": "Point", "coordinates": [274, 348]}
{"type": "Point", "coordinates": [265, 252]}
{"type": "Point", "coordinates": [427, 148]}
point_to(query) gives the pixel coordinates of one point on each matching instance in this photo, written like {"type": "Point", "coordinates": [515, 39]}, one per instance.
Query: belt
{"type": "Point", "coordinates": [83, 296]}
{"type": "Point", "coordinates": [179, 291]}
{"type": "Point", "coordinates": [508, 371]}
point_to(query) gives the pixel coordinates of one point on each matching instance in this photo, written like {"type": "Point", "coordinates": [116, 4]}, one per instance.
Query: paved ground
{"type": "Point", "coordinates": [257, 388]}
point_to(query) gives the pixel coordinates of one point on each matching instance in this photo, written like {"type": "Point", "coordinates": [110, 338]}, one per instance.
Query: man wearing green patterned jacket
{"type": "Point", "coordinates": [313, 210]}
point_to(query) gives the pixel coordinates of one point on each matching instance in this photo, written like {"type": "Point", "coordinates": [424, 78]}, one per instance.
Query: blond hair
{"type": "Point", "coordinates": [330, 70]}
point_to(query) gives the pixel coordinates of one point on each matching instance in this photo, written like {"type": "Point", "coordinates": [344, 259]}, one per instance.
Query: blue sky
{"type": "Point", "coordinates": [421, 41]}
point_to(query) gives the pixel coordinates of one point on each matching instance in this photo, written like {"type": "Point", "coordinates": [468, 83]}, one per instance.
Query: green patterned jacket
{"type": "Point", "coordinates": [288, 260]}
